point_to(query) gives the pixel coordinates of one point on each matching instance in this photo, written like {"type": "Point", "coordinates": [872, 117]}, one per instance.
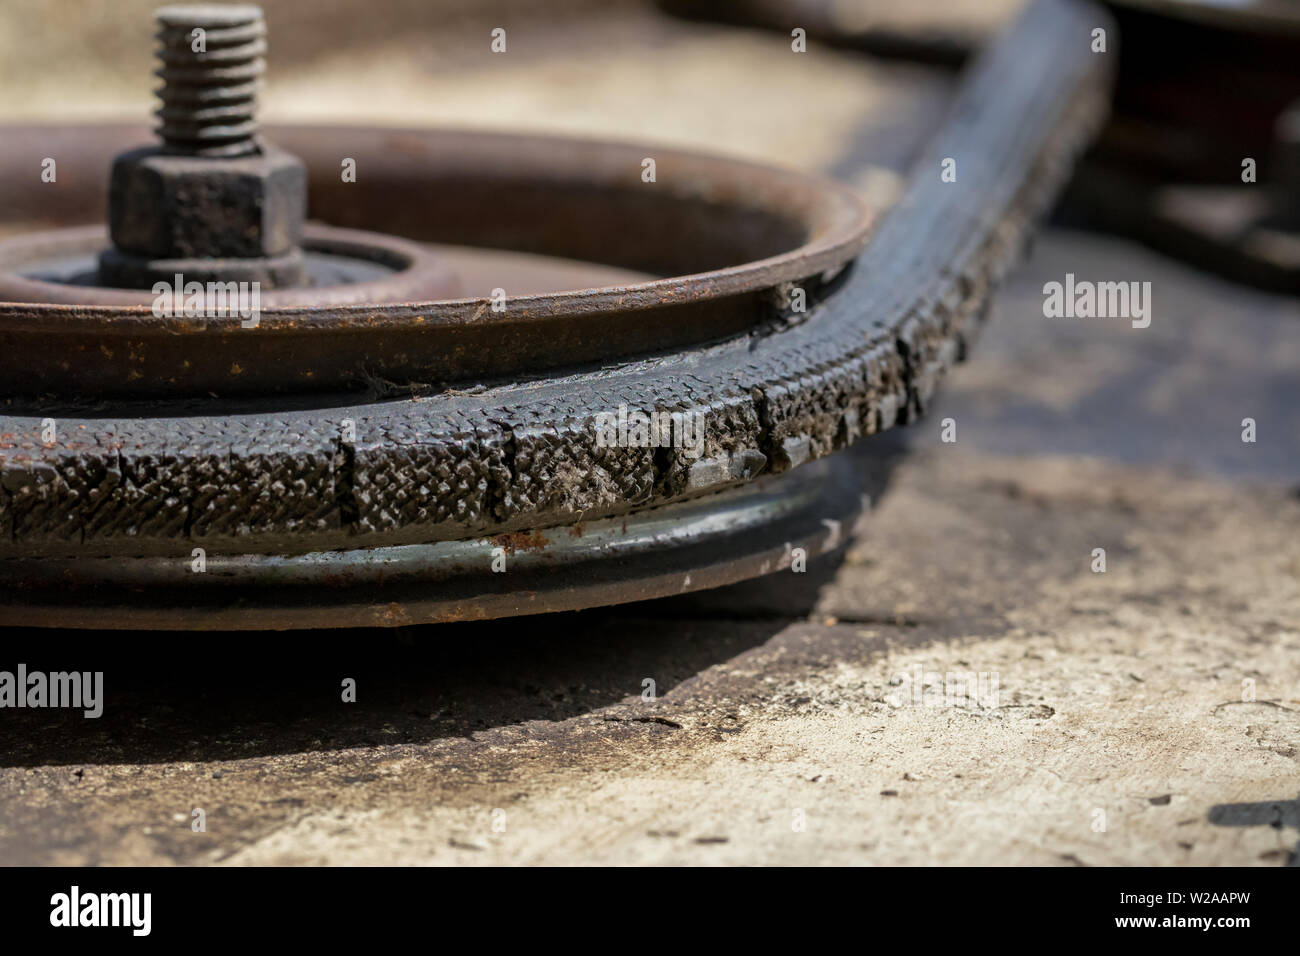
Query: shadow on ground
{"type": "Point", "coordinates": [1273, 813]}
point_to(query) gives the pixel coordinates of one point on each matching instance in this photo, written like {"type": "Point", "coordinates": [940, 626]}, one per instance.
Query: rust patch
{"type": "Point", "coordinates": [520, 541]}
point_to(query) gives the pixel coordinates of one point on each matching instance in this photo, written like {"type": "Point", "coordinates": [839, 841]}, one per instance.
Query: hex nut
{"type": "Point", "coordinates": [167, 206]}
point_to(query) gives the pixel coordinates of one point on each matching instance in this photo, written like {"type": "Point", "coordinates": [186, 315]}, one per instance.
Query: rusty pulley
{"type": "Point", "coordinates": [370, 448]}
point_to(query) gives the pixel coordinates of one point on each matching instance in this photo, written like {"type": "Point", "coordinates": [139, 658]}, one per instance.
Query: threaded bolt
{"type": "Point", "coordinates": [210, 78]}
{"type": "Point", "coordinates": [213, 200]}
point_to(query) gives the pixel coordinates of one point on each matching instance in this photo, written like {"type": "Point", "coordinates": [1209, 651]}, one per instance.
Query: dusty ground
{"type": "Point", "coordinates": [781, 733]}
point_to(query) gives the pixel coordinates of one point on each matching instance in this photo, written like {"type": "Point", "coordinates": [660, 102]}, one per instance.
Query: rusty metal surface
{"type": "Point", "coordinates": [524, 456]}
{"type": "Point", "coordinates": [209, 96]}
{"type": "Point", "coordinates": [169, 213]}
{"type": "Point", "coordinates": [213, 201]}
{"type": "Point", "coordinates": [57, 267]}
{"type": "Point", "coordinates": [726, 234]}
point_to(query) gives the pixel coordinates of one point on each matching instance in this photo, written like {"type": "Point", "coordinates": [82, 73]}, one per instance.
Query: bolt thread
{"type": "Point", "coordinates": [209, 94]}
